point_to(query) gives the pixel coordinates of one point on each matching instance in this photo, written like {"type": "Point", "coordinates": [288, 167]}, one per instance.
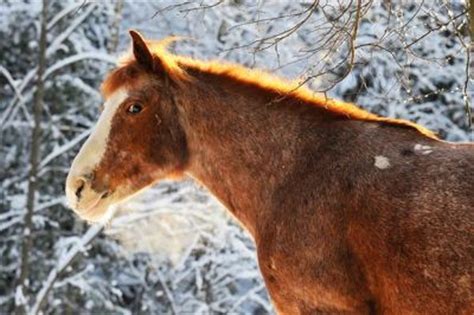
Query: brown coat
{"type": "Point", "coordinates": [351, 213]}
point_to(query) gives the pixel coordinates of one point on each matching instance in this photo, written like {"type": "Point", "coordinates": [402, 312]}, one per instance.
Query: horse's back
{"type": "Point", "coordinates": [413, 226]}
{"type": "Point", "coordinates": [372, 217]}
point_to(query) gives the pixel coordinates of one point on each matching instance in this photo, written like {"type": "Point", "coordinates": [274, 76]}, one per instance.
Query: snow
{"type": "Point", "coordinates": [64, 262]}
{"type": "Point", "coordinates": [79, 57]}
{"type": "Point", "coordinates": [20, 298]}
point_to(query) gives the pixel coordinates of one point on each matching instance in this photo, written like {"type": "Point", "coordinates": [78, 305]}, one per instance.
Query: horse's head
{"type": "Point", "coordinates": [137, 140]}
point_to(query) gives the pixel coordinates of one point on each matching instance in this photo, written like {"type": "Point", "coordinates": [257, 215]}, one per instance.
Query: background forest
{"type": "Point", "coordinates": [173, 249]}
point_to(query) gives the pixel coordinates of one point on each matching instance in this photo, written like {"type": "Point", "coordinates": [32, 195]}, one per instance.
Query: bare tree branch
{"type": "Point", "coordinates": [63, 263]}
{"type": "Point", "coordinates": [437, 28]}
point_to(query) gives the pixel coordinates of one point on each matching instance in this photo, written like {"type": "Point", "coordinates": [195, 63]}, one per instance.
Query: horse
{"type": "Point", "coordinates": [351, 213]}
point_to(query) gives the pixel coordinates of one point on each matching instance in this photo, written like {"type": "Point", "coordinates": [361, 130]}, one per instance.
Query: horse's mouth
{"type": "Point", "coordinates": [106, 194]}
{"type": "Point", "coordinates": [94, 213]}
{"type": "Point", "coordinates": [96, 209]}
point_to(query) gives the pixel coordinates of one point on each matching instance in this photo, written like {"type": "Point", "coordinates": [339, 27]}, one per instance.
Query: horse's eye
{"type": "Point", "coordinates": [135, 108]}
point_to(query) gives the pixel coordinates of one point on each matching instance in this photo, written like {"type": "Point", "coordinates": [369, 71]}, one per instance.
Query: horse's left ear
{"type": "Point", "coordinates": [141, 52]}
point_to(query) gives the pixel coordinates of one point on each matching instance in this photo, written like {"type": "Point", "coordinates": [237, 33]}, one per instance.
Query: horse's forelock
{"type": "Point", "coordinates": [130, 75]}
{"type": "Point", "coordinates": [122, 77]}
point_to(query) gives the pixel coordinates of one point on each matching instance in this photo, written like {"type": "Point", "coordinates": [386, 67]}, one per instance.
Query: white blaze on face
{"type": "Point", "coordinates": [94, 148]}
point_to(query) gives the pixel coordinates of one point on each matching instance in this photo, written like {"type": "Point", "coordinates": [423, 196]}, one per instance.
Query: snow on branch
{"type": "Point", "coordinates": [82, 56]}
{"type": "Point", "coordinates": [14, 86]}
{"type": "Point", "coordinates": [63, 13]}
{"type": "Point", "coordinates": [54, 46]}
{"type": "Point", "coordinates": [66, 259]}
{"type": "Point", "coordinates": [65, 147]}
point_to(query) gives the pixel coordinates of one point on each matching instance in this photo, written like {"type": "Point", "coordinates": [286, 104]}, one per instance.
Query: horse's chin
{"type": "Point", "coordinates": [102, 209]}
{"type": "Point", "coordinates": [95, 214]}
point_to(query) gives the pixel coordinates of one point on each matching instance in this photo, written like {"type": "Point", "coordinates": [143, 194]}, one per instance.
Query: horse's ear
{"type": "Point", "coordinates": [140, 50]}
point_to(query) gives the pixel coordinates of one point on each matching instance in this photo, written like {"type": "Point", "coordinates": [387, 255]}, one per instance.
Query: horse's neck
{"type": "Point", "coordinates": [239, 149]}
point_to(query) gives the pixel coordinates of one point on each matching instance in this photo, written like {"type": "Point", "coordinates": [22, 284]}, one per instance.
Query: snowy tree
{"type": "Point", "coordinates": [38, 128]}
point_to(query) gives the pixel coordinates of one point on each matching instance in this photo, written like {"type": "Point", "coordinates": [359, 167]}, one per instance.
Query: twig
{"type": "Point", "coordinates": [63, 263]}
{"type": "Point", "coordinates": [435, 29]}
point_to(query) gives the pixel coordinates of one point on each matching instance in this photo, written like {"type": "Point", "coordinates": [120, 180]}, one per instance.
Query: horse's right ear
{"type": "Point", "coordinates": [140, 50]}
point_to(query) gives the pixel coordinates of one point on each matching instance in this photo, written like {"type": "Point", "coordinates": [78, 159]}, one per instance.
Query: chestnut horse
{"type": "Point", "coordinates": [351, 213]}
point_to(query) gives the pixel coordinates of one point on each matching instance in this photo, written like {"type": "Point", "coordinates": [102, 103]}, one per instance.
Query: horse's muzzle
{"type": "Point", "coordinates": [81, 196]}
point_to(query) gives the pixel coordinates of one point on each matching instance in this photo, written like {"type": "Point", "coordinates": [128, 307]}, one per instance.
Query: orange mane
{"type": "Point", "coordinates": [175, 64]}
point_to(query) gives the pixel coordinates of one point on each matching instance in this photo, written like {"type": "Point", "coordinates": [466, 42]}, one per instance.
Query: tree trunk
{"type": "Point", "coordinates": [34, 161]}
{"type": "Point", "coordinates": [471, 23]}
{"type": "Point", "coordinates": [471, 19]}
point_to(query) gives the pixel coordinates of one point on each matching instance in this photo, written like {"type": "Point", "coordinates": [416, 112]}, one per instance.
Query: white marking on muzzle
{"type": "Point", "coordinates": [94, 148]}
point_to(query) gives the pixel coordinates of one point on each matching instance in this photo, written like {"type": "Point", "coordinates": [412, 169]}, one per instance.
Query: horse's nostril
{"type": "Point", "coordinates": [80, 186]}
{"type": "Point", "coordinates": [105, 195]}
